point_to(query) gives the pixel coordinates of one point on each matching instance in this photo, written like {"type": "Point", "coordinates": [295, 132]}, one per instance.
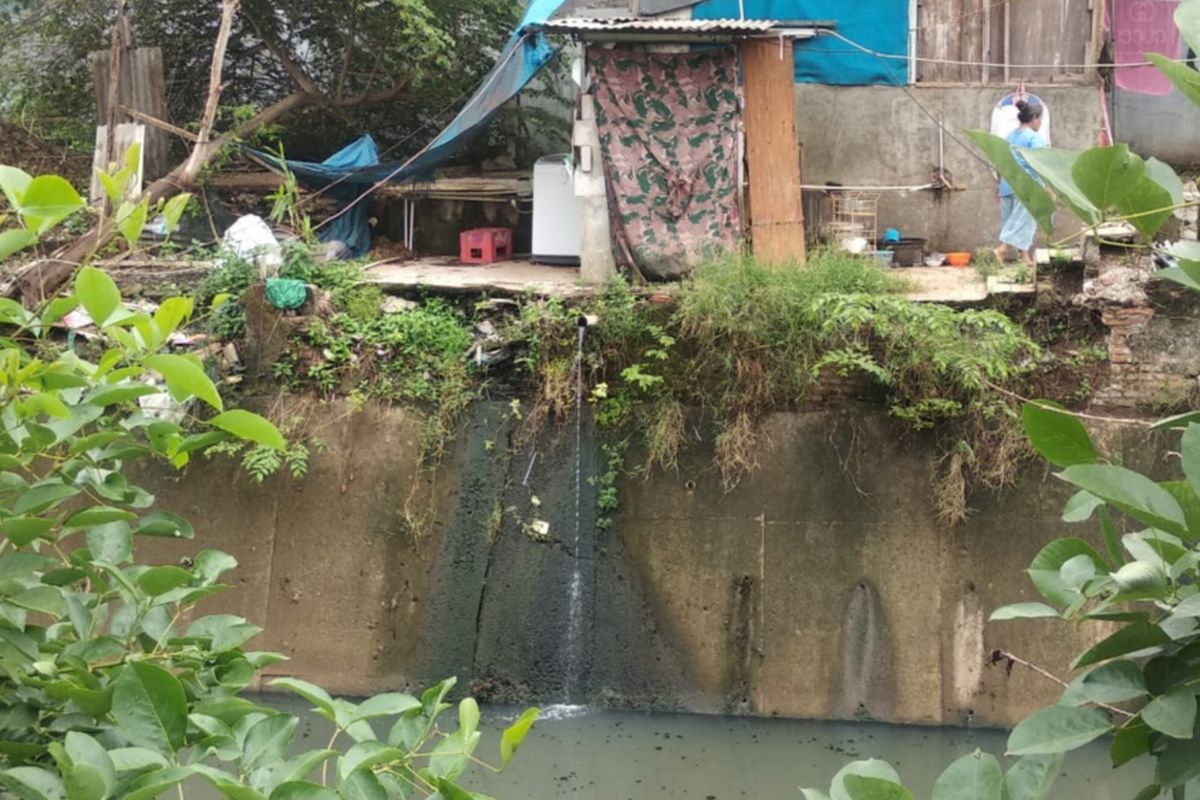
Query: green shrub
{"type": "Point", "coordinates": [418, 357]}
{"type": "Point", "coordinates": [232, 276]}
{"type": "Point", "coordinates": [228, 281]}
{"type": "Point", "coordinates": [744, 340]}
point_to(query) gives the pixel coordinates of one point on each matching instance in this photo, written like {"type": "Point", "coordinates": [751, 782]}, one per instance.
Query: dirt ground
{"type": "Point", "coordinates": [20, 148]}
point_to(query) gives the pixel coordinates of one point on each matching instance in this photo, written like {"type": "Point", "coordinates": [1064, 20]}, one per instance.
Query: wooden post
{"type": "Point", "coordinates": [1007, 42]}
{"type": "Point", "coordinates": [1096, 46]}
{"type": "Point", "coordinates": [986, 11]}
{"type": "Point", "coordinates": [116, 61]}
{"type": "Point", "coordinates": [772, 153]}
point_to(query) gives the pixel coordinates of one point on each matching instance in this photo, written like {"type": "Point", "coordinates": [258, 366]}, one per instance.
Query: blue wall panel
{"type": "Point", "coordinates": [879, 25]}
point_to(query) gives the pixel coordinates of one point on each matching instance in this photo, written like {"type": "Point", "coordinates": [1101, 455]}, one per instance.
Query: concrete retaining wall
{"type": "Point", "coordinates": [821, 587]}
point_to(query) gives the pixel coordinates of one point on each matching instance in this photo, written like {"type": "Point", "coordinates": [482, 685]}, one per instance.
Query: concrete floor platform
{"type": "Point", "coordinates": [448, 275]}
{"type": "Point", "coordinates": [960, 285]}
{"type": "Point", "coordinates": [451, 276]}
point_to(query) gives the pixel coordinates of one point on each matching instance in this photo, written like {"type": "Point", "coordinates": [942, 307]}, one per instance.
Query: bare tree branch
{"type": "Point", "coordinates": [347, 56]}
{"type": "Point", "coordinates": [1003, 655]}
{"type": "Point", "coordinates": [201, 152]}
{"type": "Point", "coordinates": [370, 98]}
{"type": "Point", "coordinates": [158, 123]}
{"type": "Point", "coordinates": [116, 59]}
{"type": "Point", "coordinates": [42, 278]}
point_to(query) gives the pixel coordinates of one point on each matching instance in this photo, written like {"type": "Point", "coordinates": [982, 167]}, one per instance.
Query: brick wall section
{"type": "Point", "coordinates": [1154, 357]}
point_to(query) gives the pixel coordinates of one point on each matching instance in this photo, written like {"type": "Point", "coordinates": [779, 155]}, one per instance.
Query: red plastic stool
{"type": "Point", "coordinates": [485, 245]}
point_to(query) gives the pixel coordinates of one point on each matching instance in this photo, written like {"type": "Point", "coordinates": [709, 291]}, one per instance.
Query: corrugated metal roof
{"type": "Point", "coordinates": [650, 25]}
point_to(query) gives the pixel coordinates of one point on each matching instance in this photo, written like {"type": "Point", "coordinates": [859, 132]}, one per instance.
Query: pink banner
{"type": "Point", "coordinates": [1140, 27]}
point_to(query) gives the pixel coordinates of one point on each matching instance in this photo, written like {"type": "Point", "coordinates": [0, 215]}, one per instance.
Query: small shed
{"type": "Point", "coordinates": [685, 141]}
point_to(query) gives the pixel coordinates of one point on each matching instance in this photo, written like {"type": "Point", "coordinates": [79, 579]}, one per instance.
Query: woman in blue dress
{"type": "Point", "coordinates": [1017, 225]}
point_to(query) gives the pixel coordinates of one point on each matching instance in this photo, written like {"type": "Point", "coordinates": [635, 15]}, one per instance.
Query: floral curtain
{"type": "Point", "coordinates": [668, 127]}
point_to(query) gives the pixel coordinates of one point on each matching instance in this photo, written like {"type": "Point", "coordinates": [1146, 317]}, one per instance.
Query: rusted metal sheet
{"type": "Point", "coordinates": [996, 37]}
{"type": "Point", "coordinates": [143, 88]}
{"type": "Point", "coordinates": [661, 6]}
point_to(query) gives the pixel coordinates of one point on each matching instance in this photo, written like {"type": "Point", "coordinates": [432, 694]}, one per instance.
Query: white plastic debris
{"type": "Point", "coordinates": [162, 406]}
{"type": "Point", "coordinates": [251, 238]}
{"type": "Point", "coordinates": [397, 305]}
{"type": "Point", "coordinates": [77, 320]}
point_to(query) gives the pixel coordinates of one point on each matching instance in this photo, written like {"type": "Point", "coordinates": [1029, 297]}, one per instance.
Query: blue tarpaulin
{"type": "Point", "coordinates": [358, 166]}
{"type": "Point", "coordinates": [345, 171]}
{"type": "Point", "coordinates": [878, 25]}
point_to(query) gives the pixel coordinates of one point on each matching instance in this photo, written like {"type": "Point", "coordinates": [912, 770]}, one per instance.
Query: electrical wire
{"type": "Point", "coordinates": [962, 63]}
{"type": "Point", "coordinates": [857, 47]}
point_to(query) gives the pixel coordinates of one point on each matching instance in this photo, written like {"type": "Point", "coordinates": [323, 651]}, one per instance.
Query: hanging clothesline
{"type": "Point", "coordinates": [963, 63]}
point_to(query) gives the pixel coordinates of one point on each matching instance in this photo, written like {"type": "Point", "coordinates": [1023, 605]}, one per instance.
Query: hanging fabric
{"type": "Point", "coordinates": [668, 127]}
{"type": "Point", "coordinates": [1140, 27]}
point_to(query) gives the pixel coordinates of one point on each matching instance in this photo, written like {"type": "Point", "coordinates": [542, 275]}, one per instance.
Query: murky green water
{"type": "Point", "coordinates": [610, 755]}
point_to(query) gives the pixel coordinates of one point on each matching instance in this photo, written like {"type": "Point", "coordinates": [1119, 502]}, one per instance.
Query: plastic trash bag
{"type": "Point", "coordinates": [251, 239]}
{"type": "Point", "coordinates": [287, 294]}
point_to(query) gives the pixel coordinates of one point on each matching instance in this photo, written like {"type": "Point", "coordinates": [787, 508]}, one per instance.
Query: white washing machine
{"type": "Point", "coordinates": [556, 210]}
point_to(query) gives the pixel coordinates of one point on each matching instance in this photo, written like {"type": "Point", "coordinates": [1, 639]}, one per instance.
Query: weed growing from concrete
{"type": "Point", "coordinates": [745, 340]}
{"type": "Point", "coordinates": [742, 340]}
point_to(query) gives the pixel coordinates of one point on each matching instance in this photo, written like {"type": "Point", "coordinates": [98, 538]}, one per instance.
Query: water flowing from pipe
{"type": "Point", "coordinates": [574, 643]}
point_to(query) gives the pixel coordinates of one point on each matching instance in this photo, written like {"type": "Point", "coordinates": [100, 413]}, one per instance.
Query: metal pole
{"type": "Point", "coordinates": [941, 148]}
{"type": "Point", "coordinates": [987, 38]}
{"type": "Point", "coordinates": [412, 226]}
{"type": "Point", "coordinates": [913, 13]}
{"type": "Point", "coordinates": [1007, 41]}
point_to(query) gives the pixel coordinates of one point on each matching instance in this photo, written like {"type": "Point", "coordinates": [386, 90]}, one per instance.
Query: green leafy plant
{"type": "Point", "coordinates": [286, 204]}
{"type": "Point", "coordinates": [37, 205]}
{"type": "Point", "coordinates": [418, 357]}
{"type": "Point", "coordinates": [112, 685]}
{"type": "Point", "coordinates": [122, 187]}
{"type": "Point", "coordinates": [222, 292]}
{"type": "Point", "coordinates": [607, 498]}
{"type": "Point", "coordinates": [1136, 685]}
{"type": "Point", "coordinates": [745, 340]}
{"type": "Point", "coordinates": [43, 203]}
{"type": "Point", "coordinates": [985, 263]}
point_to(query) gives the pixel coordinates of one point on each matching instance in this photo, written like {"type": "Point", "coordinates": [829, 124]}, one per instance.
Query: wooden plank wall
{"type": "Point", "coordinates": [772, 152]}
{"type": "Point", "coordinates": [1038, 32]}
{"type": "Point", "coordinates": [143, 88]}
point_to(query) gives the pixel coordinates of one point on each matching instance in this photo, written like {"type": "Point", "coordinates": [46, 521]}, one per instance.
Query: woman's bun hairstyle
{"type": "Point", "coordinates": [1028, 112]}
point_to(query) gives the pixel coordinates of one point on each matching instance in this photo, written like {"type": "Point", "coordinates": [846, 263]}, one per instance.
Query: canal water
{"type": "Point", "coordinates": [585, 754]}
